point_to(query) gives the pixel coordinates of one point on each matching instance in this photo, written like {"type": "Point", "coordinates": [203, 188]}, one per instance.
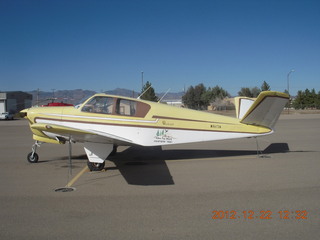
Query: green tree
{"type": "Point", "coordinates": [313, 96]}
{"type": "Point", "coordinates": [199, 97]}
{"type": "Point", "coordinates": [307, 99]}
{"type": "Point", "coordinates": [219, 93]}
{"type": "Point", "coordinates": [318, 100]}
{"type": "Point", "coordinates": [148, 93]}
{"type": "Point", "coordinates": [188, 98]}
{"type": "Point", "coordinates": [216, 93]}
{"type": "Point", "coordinates": [298, 102]}
{"type": "Point", "coordinates": [288, 104]}
{"type": "Point", "coordinates": [246, 92]}
{"type": "Point", "coordinates": [265, 86]}
{"type": "Point", "coordinates": [255, 91]}
{"type": "Point", "coordinates": [249, 92]}
{"type": "Point", "coordinates": [199, 90]}
{"type": "Point", "coordinates": [194, 97]}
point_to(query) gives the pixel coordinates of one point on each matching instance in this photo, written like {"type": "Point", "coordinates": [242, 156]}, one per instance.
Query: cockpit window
{"type": "Point", "coordinates": [126, 107]}
{"type": "Point", "coordinates": [99, 105]}
{"type": "Point", "coordinates": [116, 106]}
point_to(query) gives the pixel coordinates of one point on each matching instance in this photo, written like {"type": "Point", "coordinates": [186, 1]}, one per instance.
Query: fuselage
{"type": "Point", "coordinates": [124, 121]}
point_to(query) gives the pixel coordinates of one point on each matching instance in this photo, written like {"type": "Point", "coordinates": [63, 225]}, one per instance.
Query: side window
{"type": "Point", "coordinates": [102, 105]}
{"type": "Point", "coordinates": [126, 107]}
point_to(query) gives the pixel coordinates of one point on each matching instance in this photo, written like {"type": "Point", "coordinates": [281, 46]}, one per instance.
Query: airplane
{"type": "Point", "coordinates": [104, 122]}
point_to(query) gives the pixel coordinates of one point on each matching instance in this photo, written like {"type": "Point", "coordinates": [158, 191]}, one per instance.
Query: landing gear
{"type": "Point", "coordinates": [94, 166]}
{"type": "Point", "coordinates": [33, 157]}
{"type": "Point", "coordinates": [97, 154]}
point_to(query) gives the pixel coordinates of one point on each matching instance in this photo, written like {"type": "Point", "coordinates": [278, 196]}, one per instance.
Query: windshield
{"type": "Point", "coordinates": [82, 101]}
{"type": "Point", "coordinates": [99, 104]}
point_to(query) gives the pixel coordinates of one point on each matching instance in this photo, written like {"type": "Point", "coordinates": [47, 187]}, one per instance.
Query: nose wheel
{"type": "Point", "coordinates": [33, 157]}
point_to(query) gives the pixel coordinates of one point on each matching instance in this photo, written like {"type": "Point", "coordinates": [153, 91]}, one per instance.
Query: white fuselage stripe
{"type": "Point", "coordinates": [150, 136]}
{"type": "Point", "coordinates": [103, 118]}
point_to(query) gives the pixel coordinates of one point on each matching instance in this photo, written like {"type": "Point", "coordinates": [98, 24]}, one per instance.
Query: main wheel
{"type": "Point", "coordinates": [33, 157]}
{"type": "Point", "coordinates": [93, 166]}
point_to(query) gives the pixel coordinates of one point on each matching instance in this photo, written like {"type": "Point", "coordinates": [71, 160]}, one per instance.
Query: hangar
{"type": "Point", "coordinates": [13, 102]}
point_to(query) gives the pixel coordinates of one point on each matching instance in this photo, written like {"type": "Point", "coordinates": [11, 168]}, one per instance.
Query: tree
{"type": "Point", "coordinates": [249, 92]}
{"type": "Point", "coordinates": [246, 92]}
{"type": "Point", "coordinates": [265, 86]}
{"type": "Point", "coordinates": [307, 99]}
{"type": "Point", "coordinates": [288, 104]}
{"type": "Point", "coordinates": [194, 97]}
{"type": "Point", "coordinates": [199, 90]}
{"type": "Point", "coordinates": [298, 103]}
{"type": "Point", "coordinates": [317, 102]}
{"type": "Point", "coordinates": [255, 91]}
{"type": "Point", "coordinates": [188, 98]}
{"type": "Point", "coordinates": [148, 93]}
{"type": "Point", "coordinates": [216, 93]}
{"type": "Point", "coordinates": [219, 92]}
{"type": "Point", "coordinates": [199, 97]}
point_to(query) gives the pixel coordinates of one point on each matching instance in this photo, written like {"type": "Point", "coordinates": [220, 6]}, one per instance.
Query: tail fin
{"type": "Point", "coordinates": [242, 105]}
{"type": "Point", "coordinates": [262, 111]}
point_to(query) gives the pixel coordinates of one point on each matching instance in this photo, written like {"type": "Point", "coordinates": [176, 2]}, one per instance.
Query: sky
{"type": "Point", "coordinates": [102, 45]}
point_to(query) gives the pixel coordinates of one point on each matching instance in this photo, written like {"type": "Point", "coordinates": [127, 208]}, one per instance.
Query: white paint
{"type": "Point", "coordinates": [245, 104]}
{"type": "Point", "coordinates": [97, 152]}
{"type": "Point", "coordinates": [147, 136]}
{"type": "Point", "coordinates": [103, 118]}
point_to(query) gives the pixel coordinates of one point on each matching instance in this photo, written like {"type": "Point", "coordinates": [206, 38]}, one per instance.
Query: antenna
{"type": "Point", "coordinates": [143, 92]}
{"type": "Point", "coordinates": [164, 95]}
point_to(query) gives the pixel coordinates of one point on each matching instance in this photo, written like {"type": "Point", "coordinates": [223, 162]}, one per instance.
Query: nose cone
{"type": "Point", "coordinates": [23, 113]}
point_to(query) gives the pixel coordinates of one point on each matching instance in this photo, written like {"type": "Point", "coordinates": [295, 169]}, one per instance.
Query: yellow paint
{"type": "Point", "coordinates": [45, 139]}
{"type": "Point", "coordinates": [70, 183]}
{"type": "Point", "coordinates": [159, 116]}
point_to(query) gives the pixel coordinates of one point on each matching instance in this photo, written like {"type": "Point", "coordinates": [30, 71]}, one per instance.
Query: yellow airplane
{"type": "Point", "coordinates": [104, 122]}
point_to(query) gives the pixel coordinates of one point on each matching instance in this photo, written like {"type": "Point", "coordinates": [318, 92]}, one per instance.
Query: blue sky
{"type": "Point", "coordinates": [103, 45]}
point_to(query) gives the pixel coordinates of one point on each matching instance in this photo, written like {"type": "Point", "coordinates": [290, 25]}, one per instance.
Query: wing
{"type": "Point", "coordinates": [55, 133]}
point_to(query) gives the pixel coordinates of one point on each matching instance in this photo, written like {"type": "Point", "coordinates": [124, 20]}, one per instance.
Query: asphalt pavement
{"type": "Point", "coordinates": [213, 190]}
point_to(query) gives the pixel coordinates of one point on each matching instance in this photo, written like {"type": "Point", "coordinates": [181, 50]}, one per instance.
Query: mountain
{"type": "Point", "coordinates": [75, 96]}
{"type": "Point", "coordinates": [66, 96]}
{"type": "Point", "coordinates": [171, 96]}
{"type": "Point", "coordinates": [123, 92]}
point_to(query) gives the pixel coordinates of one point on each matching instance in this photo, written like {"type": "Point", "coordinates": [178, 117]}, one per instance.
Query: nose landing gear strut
{"type": "Point", "coordinates": [33, 157]}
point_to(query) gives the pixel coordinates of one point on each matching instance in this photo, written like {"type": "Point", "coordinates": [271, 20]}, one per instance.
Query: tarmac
{"type": "Point", "coordinates": [212, 190]}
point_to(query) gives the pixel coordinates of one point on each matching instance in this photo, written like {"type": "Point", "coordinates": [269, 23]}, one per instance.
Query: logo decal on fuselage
{"type": "Point", "coordinates": [163, 136]}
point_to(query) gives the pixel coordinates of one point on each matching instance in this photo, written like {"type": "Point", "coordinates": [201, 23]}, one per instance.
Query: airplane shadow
{"type": "Point", "coordinates": [147, 165]}
{"type": "Point", "coordinates": [143, 166]}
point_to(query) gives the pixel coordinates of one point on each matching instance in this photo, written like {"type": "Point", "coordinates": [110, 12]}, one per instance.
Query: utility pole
{"type": "Point", "coordinates": [141, 81]}
{"type": "Point", "coordinates": [288, 75]}
{"type": "Point", "coordinates": [38, 90]}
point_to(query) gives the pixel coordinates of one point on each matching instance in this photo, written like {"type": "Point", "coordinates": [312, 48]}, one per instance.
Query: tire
{"type": "Point", "coordinates": [33, 159]}
{"type": "Point", "coordinates": [95, 166]}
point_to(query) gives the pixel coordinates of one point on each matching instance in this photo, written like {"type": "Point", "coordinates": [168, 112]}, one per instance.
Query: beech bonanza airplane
{"type": "Point", "coordinates": [104, 122]}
